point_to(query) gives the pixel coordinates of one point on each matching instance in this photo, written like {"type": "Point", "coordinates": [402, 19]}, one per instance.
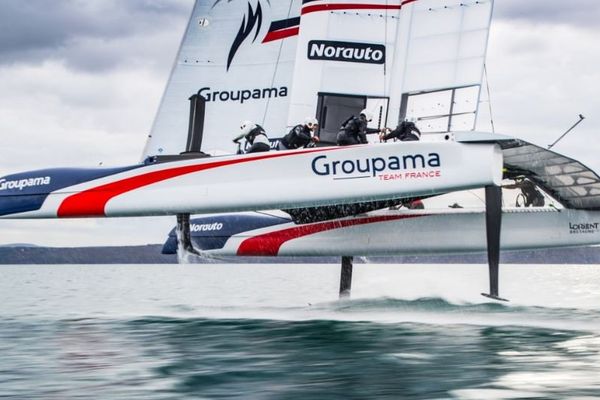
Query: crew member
{"type": "Point", "coordinates": [355, 130]}
{"type": "Point", "coordinates": [255, 136]}
{"type": "Point", "coordinates": [532, 196]}
{"type": "Point", "coordinates": [301, 135]}
{"type": "Point", "coordinates": [406, 131]}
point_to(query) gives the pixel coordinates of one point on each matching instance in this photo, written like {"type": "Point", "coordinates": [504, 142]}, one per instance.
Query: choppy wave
{"type": "Point", "coordinates": [248, 332]}
{"type": "Point", "coordinates": [437, 304]}
{"type": "Point", "coordinates": [169, 357]}
{"type": "Point", "coordinates": [430, 311]}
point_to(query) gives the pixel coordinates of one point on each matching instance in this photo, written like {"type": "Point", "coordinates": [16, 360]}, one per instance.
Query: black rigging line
{"type": "Point", "coordinates": [581, 118]}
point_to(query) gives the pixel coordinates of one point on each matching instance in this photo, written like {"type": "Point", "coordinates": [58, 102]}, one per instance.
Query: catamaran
{"type": "Point", "coordinates": [276, 63]}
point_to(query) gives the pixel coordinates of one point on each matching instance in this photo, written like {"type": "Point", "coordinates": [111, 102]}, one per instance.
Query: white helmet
{"type": "Point", "coordinates": [368, 115]}
{"type": "Point", "coordinates": [310, 121]}
{"type": "Point", "coordinates": [246, 127]}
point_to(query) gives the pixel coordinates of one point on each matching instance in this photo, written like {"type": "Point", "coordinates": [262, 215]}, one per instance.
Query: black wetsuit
{"type": "Point", "coordinates": [407, 131]}
{"type": "Point", "coordinates": [354, 132]}
{"type": "Point", "coordinates": [257, 145]}
{"type": "Point", "coordinates": [299, 136]}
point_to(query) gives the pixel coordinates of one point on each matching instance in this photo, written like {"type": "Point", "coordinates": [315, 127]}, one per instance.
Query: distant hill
{"type": "Point", "coordinates": [151, 254]}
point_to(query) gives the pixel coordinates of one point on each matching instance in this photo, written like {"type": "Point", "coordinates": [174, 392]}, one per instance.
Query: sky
{"type": "Point", "coordinates": [80, 82]}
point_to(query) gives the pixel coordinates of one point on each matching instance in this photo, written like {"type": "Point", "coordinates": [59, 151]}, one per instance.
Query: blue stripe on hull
{"type": "Point", "coordinates": [211, 233]}
{"type": "Point", "coordinates": [27, 191]}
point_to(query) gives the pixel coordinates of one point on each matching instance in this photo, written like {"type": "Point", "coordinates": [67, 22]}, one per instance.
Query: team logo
{"type": "Point", "coordinates": [215, 226]}
{"type": "Point", "coordinates": [251, 23]}
{"type": "Point", "coordinates": [242, 95]}
{"type": "Point", "coordinates": [24, 183]}
{"type": "Point", "coordinates": [346, 51]}
{"type": "Point", "coordinates": [586, 227]}
{"type": "Point", "coordinates": [378, 167]}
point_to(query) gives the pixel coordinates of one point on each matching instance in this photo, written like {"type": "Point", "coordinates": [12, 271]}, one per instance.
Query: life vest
{"type": "Point", "coordinates": [349, 132]}
{"type": "Point", "coordinates": [257, 134]}
{"type": "Point", "coordinates": [293, 140]}
{"type": "Point", "coordinates": [408, 131]}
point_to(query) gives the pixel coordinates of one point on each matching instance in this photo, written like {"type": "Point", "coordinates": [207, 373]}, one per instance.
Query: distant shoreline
{"type": "Point", "coordinates": [151, 254]}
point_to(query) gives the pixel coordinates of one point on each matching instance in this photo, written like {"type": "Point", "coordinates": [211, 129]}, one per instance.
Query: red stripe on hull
{"type": "Point", "coordinates": [269, 244]}
{"type": "Point", "coordinates": [281, 34]}
{"type": "Point", "coordinates": [92, 202]}
{"type": "Point", "coordinates": [353, 6]}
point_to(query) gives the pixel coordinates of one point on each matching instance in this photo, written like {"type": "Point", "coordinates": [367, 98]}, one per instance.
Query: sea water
{"type": "Point", "coordinates": [218, 331]}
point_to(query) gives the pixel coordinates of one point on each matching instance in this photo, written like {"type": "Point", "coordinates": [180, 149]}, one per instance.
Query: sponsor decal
{"type": "Point", "coordinates": [24, 183]}
{"type": "Point", "coordinates": [379, 167]}
{"type": "Point", "coordinates": [215, 226]}
{"type": "Point", "coordinates": [346, 51]}
{"type": "Point", "coordinates": [584, 227]}
{"type": "Point", "coordinates": [241, 95]}
{"type": "Point", "coordinates": [282, 29]}
{"type": "Point", "coordinates": [273, 144]}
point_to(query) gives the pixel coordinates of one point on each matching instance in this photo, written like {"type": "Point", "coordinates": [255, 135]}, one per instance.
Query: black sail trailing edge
{"type": "Point", "coordinates": [193, 147]}
{"type": "Point", "coordinates": [196, 126]}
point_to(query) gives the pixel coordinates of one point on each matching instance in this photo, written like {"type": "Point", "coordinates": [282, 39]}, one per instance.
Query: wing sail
{"type": "Point", "coordinates": [403, 58]}
{"type": "Point", "coordinates": [239, 56]}
{"type": "Point", "coordinates": [569, 181]}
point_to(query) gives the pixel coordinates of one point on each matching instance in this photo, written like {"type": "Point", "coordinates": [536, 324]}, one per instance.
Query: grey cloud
{"type": "Point", "coordinates": [577, 13]}
{"type": "Point", "coordinates": [37, 30]}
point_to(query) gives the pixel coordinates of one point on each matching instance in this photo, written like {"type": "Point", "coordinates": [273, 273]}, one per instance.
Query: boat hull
{"type": "Point", "coordinates": [390, 232]}
{"type": "Point", "coordinates": [271, 180]}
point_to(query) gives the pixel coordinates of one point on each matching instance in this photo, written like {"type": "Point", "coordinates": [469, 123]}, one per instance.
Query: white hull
{"type": "Point", "coordinates": [272, 180]}
{"type": "Point", "coordinates": [417, 232]}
